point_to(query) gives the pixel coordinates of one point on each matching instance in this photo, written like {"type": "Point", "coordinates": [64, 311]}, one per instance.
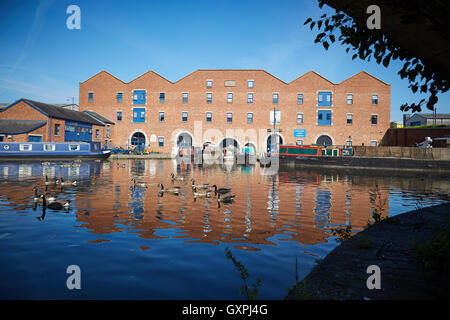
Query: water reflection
{"type": "Point", "coordinates": [303, 205]}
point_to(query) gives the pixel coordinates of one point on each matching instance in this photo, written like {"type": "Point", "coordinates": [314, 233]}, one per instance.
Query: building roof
{"type": "Point", "coordinates": [99, 117]}
{"type": "Point", "coordinates": [431, 115]}
{"type": "Point", "coordinates": [13, 127]}
{"type": "Point", "coordinates": [60, 112]}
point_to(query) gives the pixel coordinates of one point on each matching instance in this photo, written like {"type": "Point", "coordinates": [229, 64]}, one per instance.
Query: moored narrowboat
{"type": "Point", "coordinates": [52, 150]}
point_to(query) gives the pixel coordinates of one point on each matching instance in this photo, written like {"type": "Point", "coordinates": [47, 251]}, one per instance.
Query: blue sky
{"type": "Point", "coordinates": [42, 60]}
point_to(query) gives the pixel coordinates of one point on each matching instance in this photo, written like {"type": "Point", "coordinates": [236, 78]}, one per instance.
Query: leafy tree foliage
{"type": "Point", "coordinates": [368, 44]}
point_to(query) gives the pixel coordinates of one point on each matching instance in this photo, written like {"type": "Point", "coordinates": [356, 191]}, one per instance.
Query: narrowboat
{"type": "Point", "coordinates": [52, 150]}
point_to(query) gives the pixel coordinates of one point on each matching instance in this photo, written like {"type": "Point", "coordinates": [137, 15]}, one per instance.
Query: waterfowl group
{"type": "Point", "coordinates": [199, 186]}
{"type": "Point", "coordinates": [221, 190]}
{"type": "Point", "coordinates": [203, 193]}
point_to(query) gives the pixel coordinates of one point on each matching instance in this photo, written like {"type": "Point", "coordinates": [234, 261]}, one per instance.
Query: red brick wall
{"type": "Point", "coordinates": [361, 85]}
{"type": "Point", "coordinates": [404, 137]}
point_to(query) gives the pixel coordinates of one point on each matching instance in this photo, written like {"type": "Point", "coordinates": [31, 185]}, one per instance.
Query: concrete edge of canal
{"type": "Point", "coordinates": [391, 245]}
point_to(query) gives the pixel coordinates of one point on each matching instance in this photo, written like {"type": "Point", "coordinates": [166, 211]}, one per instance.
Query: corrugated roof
{"type": "Point", "coordinates": [13, 127]}
{"type": "Point", "coordinates": [431, 116]}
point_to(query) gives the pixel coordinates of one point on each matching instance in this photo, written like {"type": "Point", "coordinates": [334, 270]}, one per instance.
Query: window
{"type": "Point", "coordinates": [119, 115]}
{"type": "Point", "coordinates": [299, 142]}
{"type": "Point", "coordinates": [373, 143]}
{"type": "Point", "coordinates": [49, 147]}
{"type": "Point", "coordinates": [249, 117]}
{"type": "Point", "coordinates": [74, 147]}
{"type": "Point", "coordinates": [25, 147]}
{"type": "Point", "coordinates": [139, 96]}
{"type": "Point", "coordinates": [209, 84]}
{"type": "Point", "coordinates": [324, 118]}
{"type": "Point", "coordinates": [300, 98]}
{"type": "Point", "coordinates": [162, 97]}
{"type": "Point", "coordinates": [274, 97]}
{"type": "Point", "coordinates": [208, 97]}
{"type": "Point", "coordinates": [138, 115]}
{"type": "Point", "coordinates": [299, 118]}
{"type": "Point", "coordinates": [57, 129]}
{"type": "Point", "coordinates": [97, 134]}
{"type": "Point", "coordinates": [229, 117]}
{"type": "Point", "coordinates": [249, 97]}
{"type": "Point", "coordinates": [2, 138]}
{"type": "Point", "coordinates": [161, 142]}
{"type": "Point", "coordinates": [161, 116]}
{"type": "Point", "coordinates": [275, 115]}
{"type": "Point", "coordinates": [349, 99]}
{"type": "Point", "coordinates": [349, 118]}
{"type": "Point", "coordinates": [249, 83]}
{"type": "Point", "coordinates": [374, 119]}
{"type": "Point", "coordinates": [108, 130]}
{"type": "Point", "coordinates": [184, 116]}
{"type": "Point", "coordinates": [208, 116]}
{"type": "Point", "coordinates": [185, 97]}
{"type": "Point", "coordinates": [324, 99]}
{"type": "Point", "coordinates": [119, 97]}
{"type": "Point", "coordinates": [90, 96]}
{"type": "Point", "coordinates": [229, 97]}
{"type": "Point", "coordinates": [33, 138]}
{"type": "Point", "coordinates": [348, 143]}
{"type": "Point", "coordinates": [375, 99]}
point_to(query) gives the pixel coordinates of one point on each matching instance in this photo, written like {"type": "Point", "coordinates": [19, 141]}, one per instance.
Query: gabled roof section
{"type": "Point", "coordinates": [14, 127]}
{"type": "Point", "coordinates": [150, 73]}
{"type": "Point", "coordinates": [98, 117]}
{"type": "Point", "coordinates": [364, 73]}
{"type": "Point", "coordinates": [313, 73]}
{"type": "Point", "coordinates": [102, 72]}
{"type": "Point", "coordinates": [58, 112]}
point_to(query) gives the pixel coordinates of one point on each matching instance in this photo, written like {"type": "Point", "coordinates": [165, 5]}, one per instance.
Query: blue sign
{"type": "Point", "coordinates": [299, 133]}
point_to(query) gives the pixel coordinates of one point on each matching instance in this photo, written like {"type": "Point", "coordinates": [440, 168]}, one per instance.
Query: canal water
{"type": "Point", "coordinates": [133, 243]}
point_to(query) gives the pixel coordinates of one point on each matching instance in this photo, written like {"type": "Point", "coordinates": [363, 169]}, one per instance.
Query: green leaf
{"type": "Point", "coordinates": [332, 39]}
{"type": "Point", "coordinates": [307, 21]}
{"type": "Point", "coordinates": [312, 25]}
{"type": "Point", "coordinates": [325, 45]}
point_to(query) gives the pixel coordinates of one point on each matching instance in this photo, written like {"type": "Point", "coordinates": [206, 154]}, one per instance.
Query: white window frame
{"type": "Point", "coordinates": [161, 137]}
{"type": "Point", "coordinates": [22, 145]}
{"type": "Point", "coordinates": [209, 80]}
{"type": "Point", "coordinates": [206, 116]}
{"type": "Point", "coordinates": [375, 143]}
{"type": "Point", "coordinates": [74, 144]}
{"type": "Point", "coordinates": [187, 116]}
{"type": "Point", "coordinates": [248, 96]}
{"type": "Point", "coordinates": [278, 97]}
{"type": "Point", "coordinates": [351, 95]}
{"type": "Point", "coordinates": [209, 93]}
{"type": "Point", "coordinates": [373, 114]}
{"type": "Point", "coordinates": [51, 145]}
{"type": "Point", "coordinates": [300, 113]}
{"type": "Point", "coordinates": [230, 112]}
{"type": "Point", "coordinates": [252, 82]}
{"type": "Point", "coordinates": [300, 93]}
{"type": "Point", "coordinates": [299, 144]}
{"type": "Point", "coordinates": [228, 98]}
{"type": "Point", "coordinates": [164, 116]}
{"type": "Point", "coordinates": [346, 119]}
{"type": "Point", "coordinates": [252, 117]}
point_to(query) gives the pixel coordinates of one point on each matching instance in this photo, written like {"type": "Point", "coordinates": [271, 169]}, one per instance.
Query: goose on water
{"type": "Point", "coordinates": [177, 178]}
{"type": "Point", "coordinates": [65, 183]}
{"type": "Point", "coordinates": [139, 183]}
{"type": "Point", "coordinates": [221, 190]}
{"type": "Point", "coordinates": [202, 193]}
{"type": "Point", "coordinates": [199, 186]}
{"type": "Point", "coordinates": [49, 182]}
{"type": "Point", "coordinates": [225, 199]}
{"type": "Point", "coordinates": [38, 198]}
{"type": "Point", "coordinates": [55, 205]}
{"type": "Point", "coordinates": [170, 190]}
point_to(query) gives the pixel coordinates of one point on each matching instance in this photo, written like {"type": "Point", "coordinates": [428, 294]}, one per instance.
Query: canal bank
{"type": "Point", "coordinates": [411, 250]}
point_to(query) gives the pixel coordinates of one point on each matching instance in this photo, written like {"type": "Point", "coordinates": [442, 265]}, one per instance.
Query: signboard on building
{"type": "Point", "coordinates": [230, 83]}
{"type": "Point", "coordinates": [153, 138]}
{"type": "Point", "coordinates": [299, 133]}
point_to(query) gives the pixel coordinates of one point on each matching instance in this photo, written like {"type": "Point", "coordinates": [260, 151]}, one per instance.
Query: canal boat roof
{"type": "Point", "coordinates": [14, 127]}
{"type": "Point", "coordinates": [59, 112]}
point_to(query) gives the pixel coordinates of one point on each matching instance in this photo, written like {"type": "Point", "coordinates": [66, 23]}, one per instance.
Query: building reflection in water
{"type": "Point", "coordinates": [301, 205]}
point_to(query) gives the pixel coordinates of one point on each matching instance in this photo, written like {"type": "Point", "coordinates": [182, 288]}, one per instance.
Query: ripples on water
{"type": "Point", "coordinates": [131, 243]}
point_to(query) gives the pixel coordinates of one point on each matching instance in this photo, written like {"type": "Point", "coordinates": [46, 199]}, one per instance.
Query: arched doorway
{"type": "Point", "coordinates": [184, 143]}
{"type": "Point", "coordinates": [229, 143]}
{"type": "Point", "coordinates": [273, 142]}
{"type": "Point", "coordinates": [138, 140]}
{"type": "Point", "coordinates": [249, 148]}
{"type": "Point", "coordinates": [324, 140]}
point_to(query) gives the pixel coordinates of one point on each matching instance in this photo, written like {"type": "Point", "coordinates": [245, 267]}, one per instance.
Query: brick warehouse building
{"type": "Point", "coordinates": [224, 107]}
{"type": "Point", "coordinates": [31, 121]}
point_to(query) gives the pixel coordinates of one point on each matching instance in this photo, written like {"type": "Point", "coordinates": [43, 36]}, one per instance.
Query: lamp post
{"type": "Point", "coordinates": [73, 101]}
